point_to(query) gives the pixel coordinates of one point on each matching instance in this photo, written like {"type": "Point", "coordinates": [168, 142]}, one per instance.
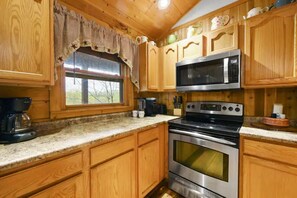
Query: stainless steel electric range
{"type": "Point", "coordinates": [203, 150]}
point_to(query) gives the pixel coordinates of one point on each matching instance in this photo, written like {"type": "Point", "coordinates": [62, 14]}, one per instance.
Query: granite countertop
{"type": "Point", "coordinates": [275, 135]}
{"type": "Point", "coordinates": [72, 137]}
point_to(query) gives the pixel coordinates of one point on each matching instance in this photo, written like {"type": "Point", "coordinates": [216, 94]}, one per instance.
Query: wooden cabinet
{"type": "Point", "coordinates": [222, 39]}
{"type": "Point", "coordinates": [32, 179]}
{"type": "Point", "coordinates": [169, 57]}
{"type": "Point", "coordinates": [191, 48]}
{"type": "Point", "coordinates": [149, 67]}
{"type": "Point", "coordinates": [26, 45]}
{"type": "Point", "coordinates": [72, 187]}
{"type": "Point", "coordinates": [114, 176]}
{"type": "Point", "coordinates": [270, 48]}
{"type": "Point", "coordinates": [269, 169]}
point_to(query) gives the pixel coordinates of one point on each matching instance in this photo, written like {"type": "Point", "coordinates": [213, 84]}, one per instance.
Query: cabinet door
{"type": "Point", "coordinates": [223, 39]}
{"type": "Point", "coordinates": [148, 167]}
{"type": "Point", "coordinates": [169, 61]}
{"type": "Point", "coordinates": [114, 178]}
{"type": "Point", "coordinates": [72, 187]}
{"type": "Point", "coordinates": [270, 48]}
{"type": "Point", "coordinates": [26, 41]}
{"type": "Point", "coordinates": [153, 64]}
{"type": "Point", "coordinates": [191, 48]}
{"type": "Point", "coordinates": [264, 178]}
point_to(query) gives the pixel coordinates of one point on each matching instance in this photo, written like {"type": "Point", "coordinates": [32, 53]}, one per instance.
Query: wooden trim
{"type": "Point", "coordinates": [94, 75]}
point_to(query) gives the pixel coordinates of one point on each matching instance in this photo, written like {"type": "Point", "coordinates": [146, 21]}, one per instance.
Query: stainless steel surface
{"type": "Point", "coordinates": [227, 189]}
{"type": "Point", "coordinates": [205, 137]}
{"type": "Point", "coordinates": [237, 109]}
{"type": "Point", "coordinates": [189, 189]}
{"type": "Point", "coordinates": [224, 86]}
{"type": "Point", "coordinates": [226, 79]}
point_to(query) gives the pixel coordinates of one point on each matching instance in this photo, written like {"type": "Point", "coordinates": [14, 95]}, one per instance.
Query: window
{"type": "Point", "coordinates": [93, 78]}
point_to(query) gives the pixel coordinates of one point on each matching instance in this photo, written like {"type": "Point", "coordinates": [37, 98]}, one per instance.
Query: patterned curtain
{"type": "Point", "coordinates": [73, 31]}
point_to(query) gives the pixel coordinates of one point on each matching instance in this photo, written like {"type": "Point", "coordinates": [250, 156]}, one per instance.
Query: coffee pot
{"type": "Point", "coordinates": [15, 124]}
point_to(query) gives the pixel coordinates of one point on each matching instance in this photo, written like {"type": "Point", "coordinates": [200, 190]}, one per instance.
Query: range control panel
{"type": "Point", "coordinates": [220, 108]}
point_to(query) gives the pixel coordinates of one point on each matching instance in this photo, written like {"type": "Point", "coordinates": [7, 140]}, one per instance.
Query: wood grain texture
{"type": "Point", "coordinates": [72, 187]}
{"type": "Point", "coordinates": [191, 48]}
{"type": "Point", "coordinates": [110, 150]}
{"type": "Point", "coordinates": [153, 67]}
{"type": "Point", "coordinates": [170, 56]}
{"type": "Point", "coordinates": [270, 48]}
{"type": "Point", "coordinates": [148, 167]}
{"type": "Point", "coordinates": [148, 136]}
{"type": "Point", "coordinates": [142, 17]}
{"type": "Point", "coordinates": [115, 178]}
{"type": "Point", "coordinates": [223, 39]}
{"type": "Point", "coordinates": [26, 42]}
{"type": "Point", "coordinates": [34, 178]}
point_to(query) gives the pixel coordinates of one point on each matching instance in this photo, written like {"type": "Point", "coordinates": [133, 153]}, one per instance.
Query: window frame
{"type": "Point", "coordinates": [59, 109]}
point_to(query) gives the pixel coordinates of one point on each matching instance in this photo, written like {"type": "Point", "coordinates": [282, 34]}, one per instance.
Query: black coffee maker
{"type": "Point", "coordinates": [15, 124]}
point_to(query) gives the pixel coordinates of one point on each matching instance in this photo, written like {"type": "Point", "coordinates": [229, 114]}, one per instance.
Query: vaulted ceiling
{"type": "Point", "coordinates": [141, 16]}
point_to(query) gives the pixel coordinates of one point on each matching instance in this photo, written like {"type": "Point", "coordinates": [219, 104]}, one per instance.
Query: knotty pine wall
{"type": "Point", "coordinates": [257, 102]}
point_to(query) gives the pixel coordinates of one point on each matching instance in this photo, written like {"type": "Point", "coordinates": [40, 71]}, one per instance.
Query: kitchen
{"type": "Point", "coordinates": [91, 146]}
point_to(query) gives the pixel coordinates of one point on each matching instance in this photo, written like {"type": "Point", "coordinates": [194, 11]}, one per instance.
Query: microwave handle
{"type": "Point", "coordinates": [226, 67]}
{"type": "Point", "coordinates": [206, 137]}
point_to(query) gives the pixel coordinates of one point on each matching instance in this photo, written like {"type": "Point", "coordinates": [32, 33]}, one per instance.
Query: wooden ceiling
{"type": "Point", "coordinates": [140, 16]}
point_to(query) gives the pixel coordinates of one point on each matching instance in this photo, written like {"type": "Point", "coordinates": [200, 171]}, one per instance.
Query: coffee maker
{"type": "Point", "coordinates": [15, 124]}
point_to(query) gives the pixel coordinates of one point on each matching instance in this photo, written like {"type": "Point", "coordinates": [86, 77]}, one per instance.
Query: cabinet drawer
{"type": "Point", "coordinates": [271, 151]}
{"type": "Point", "coordinates": [110, 150]}
{"type": "Point", "coordinates": [31, 179]}
{"type": "Point", "coordinates": [148, 135]}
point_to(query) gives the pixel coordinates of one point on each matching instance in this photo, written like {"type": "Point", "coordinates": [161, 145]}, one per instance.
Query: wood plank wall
{"type": "Point", "coordinates": [257, 102]}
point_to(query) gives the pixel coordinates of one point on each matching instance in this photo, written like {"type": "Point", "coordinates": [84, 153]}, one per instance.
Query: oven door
{"type": "Point", "coordinates": [205, 161]}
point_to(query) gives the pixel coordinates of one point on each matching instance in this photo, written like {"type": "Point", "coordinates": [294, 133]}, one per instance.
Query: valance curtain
{"type": "Point", "coordinates": [73, 31]}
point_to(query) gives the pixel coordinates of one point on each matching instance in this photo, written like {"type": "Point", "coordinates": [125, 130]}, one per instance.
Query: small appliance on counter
{"type": "Point", "coordinates": [15, 124]}
{"type": "Point", "coordinates": [148, 105]}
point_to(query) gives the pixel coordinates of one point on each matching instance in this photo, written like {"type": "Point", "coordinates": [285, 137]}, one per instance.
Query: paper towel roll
{"type": "Point", "coordinates": [278, 108]}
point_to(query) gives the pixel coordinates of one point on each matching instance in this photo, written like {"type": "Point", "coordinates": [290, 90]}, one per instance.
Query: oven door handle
{"type": "Point", "coordinates": [206, 137]}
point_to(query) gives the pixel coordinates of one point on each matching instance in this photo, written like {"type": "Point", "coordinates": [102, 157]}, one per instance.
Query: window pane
{"type": "Point", "coordinates": [73, 91]}
{"type": "Point", "coordinates": [103, 92]}
{"type": "Point", "coordinates": [93, 63]}
{"type": "Point", "coordinates": [88, 91]}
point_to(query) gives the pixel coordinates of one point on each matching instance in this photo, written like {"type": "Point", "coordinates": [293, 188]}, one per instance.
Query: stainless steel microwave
{"type": "Point", "coordinates": [214, 72]}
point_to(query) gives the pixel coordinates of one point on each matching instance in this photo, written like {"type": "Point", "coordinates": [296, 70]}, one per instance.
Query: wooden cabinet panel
{"type": "Point", "coordinates": [148, 167]}
{"type": "Point", "coordinates": [26, 42]}
{"type": "Point", "coordinates": [270, 48]}
{"type": "Point", "coordinates": [263, 178]}
{"type": "Point", "coordinates": [191, 48]}
{"type": "Point", "coordinates": [114, 178]}
{"type": "Point", "coordinates": [110, 150]}
{"type": "Point", "coordinates": [170, 56]}
{"type": "Point", "coordinates": [72, 187]}
{"type": "Point", "coordinates": [148, 136]}
{"type": "Point", "coordinates": [31, 179]}
{"type": "Point", "coordinates": [223, 39]}
{"type": "Point", "coordinates": [153, 65]}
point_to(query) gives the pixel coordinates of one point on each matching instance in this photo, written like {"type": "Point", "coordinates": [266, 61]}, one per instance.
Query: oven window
{"type": "Point", "coordinates": [204, 160]}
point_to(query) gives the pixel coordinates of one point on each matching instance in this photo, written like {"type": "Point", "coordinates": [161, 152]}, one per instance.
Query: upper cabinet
{"type": "Point", "coordinates": [149, 67]}
{"type": "Point", "coordinates": [191, 48]}
{"type": "Point", "coordinates": [271, 48]}
{"type": "Point", "coordinates": [222, 39]}
{"type": "Point", "coordinates": [169, 57]}
{"type": "Point", "coordinates": [26, 44]}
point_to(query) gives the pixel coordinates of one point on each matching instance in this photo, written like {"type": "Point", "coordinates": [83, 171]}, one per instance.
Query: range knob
{"type": "Point", "coordinates": [230, 108]}
{"type": "Point", "coordinates": [193, 106]}
{"type": "Point", "coordinates": [224, 108]}
{"type": "Point", "coordinates": [237, 109]}
{"type": "Point", "coordinates": [188, 106]}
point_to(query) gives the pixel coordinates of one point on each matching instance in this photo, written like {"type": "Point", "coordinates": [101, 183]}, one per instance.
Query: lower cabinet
{"type": "Point", "coordinates": [72, 187]}
{"type": "Point", "coordinates": [148, 161]}
{"type": "Point", "coordinates": [130, 166]}
{"type": "Point", "coordinates": [269, 169]}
